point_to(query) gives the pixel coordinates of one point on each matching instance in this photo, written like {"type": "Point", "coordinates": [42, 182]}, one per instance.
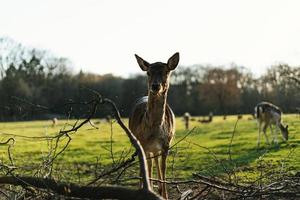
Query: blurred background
{"type": "Point", "coordinates": [233, 54]}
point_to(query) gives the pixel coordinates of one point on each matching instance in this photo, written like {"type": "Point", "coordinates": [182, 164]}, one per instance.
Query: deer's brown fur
{"type": "Point", "coordinates": [152, 120]}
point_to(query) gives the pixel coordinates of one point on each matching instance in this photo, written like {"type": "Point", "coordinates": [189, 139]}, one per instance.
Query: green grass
{"type": "Point", "coordinates": [204, 151]}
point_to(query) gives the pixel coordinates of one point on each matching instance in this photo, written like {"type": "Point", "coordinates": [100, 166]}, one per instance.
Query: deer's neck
{"type": "Point", "coordinates": [156, 108]}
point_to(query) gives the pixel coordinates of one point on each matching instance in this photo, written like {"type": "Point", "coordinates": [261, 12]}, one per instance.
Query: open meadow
{"type": "Point", "coordinates": [212, 149]}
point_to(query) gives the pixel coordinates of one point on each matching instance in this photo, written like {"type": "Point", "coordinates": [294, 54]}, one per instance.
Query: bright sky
{"type": "Point", "coordinates": [102, 36]}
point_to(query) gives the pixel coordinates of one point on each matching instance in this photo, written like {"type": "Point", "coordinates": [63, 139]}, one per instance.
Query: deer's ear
{"type": "Point", "coordinates": [144, 65]}
{"type": "Point", "coordinates": [173, 61]}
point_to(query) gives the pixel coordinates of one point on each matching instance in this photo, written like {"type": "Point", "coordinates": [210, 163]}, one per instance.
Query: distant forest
{"type": "Point", "coordinates": [34, 84]}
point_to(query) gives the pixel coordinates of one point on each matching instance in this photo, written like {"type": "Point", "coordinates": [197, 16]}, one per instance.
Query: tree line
{"type": "Point", "coordinates": [34, 84]}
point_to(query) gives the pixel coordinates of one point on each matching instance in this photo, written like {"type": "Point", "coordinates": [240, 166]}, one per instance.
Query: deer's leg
{"type": "Point", "coordinates": [272, 132]}
{"type": "Point", "coordinates": [276, 133]}
{"type": "Point", "coordinates": [265, 132]}
{"type": "Point", "coordinates": [163, 169]}
{"type": "Point", "coordinates": [157, 165]}
{"type": "Point", "coordinates": [259, 130]}
{"type": "Point", "coordinates": [149, 162]}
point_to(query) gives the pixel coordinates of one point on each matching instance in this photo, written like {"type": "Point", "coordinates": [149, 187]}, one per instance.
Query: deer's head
{"type": "Point", "coordinates": [158, 73]}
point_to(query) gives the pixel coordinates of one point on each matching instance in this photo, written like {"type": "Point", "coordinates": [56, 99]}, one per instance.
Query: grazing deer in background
{"type": "Point", "coordinates": [152, 120]}
{"type": "Point", "coordinates": [210, 118]}
{"type": "Point", "coordinates": [54, 121]}
{"type": "Point", "coordinates": [270, 114]}
{"type": "Point", "coordinates": [186, 119]}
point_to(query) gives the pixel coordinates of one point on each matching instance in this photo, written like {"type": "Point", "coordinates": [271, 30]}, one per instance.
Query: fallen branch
{"type": "Point", "coordinates": [73, 190]}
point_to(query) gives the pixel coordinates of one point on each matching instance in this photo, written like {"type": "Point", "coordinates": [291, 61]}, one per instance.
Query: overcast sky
{"type": "Point", "coordinates": [103, 36]}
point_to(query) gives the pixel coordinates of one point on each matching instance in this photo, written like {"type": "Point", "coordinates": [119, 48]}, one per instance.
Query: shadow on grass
{"type": "Point", "coordinates": [223, 163]}
{"type": "Point", "coordinates": [222, 135]}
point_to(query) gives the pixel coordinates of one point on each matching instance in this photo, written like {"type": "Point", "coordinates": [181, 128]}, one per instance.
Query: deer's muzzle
{"type": "Point", "coordinates": [155, 88]}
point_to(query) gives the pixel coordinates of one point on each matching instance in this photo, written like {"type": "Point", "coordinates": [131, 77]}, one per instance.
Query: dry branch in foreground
{"type": "Point", "coordinates": [101, 192]}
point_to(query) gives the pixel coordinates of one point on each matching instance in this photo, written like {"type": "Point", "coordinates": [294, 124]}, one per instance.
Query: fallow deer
{"type": "Point", "coordinates": [186, 119]}
{"type": "Point", "coordinates": [54, 121]}
{"type": "Point", "coordinates": [269, 114]}
{"type": "Point", "coordinates": [210, 118]}
{"type": "Point", "coordinates": [152, 120]}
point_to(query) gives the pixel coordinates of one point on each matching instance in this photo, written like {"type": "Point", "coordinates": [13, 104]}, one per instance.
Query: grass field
{"type": "Point", "coordinates": [204, 150]}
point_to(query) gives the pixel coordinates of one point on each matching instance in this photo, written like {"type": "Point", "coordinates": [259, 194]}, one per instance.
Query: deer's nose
{"type": "Point", "coordinates": [155, 87]}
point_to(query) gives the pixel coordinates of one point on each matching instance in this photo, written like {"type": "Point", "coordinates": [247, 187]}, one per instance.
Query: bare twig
{"type": "Point", "coordinates": [135, 143]}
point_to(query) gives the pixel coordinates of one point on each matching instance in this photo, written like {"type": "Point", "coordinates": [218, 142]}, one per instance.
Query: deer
{"type": "Point", "coordinates": [152, 121]}
{"type": "Point", "coordinates": [269, 114]}
{"type": "Point", "coordinates": [186, 119]}
{"type": "Point", "coordinates": [54, 121]}
{"type": "Point", "coordinates": [210, 118]}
